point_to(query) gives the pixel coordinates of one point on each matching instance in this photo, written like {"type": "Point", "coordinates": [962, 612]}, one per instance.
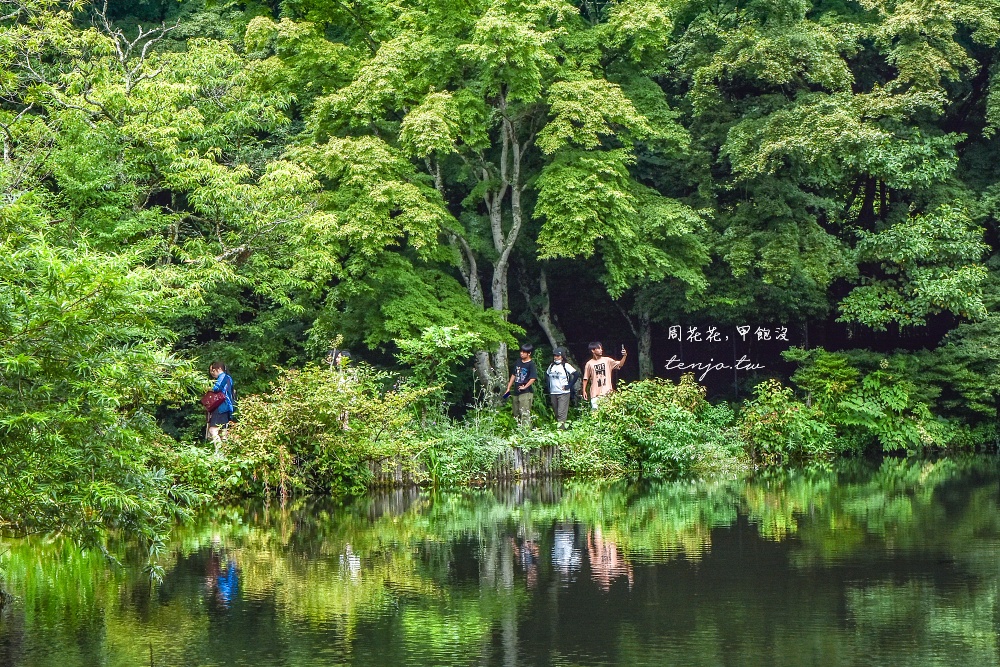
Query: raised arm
{"type": "Point", "coordinates": [624, 357]}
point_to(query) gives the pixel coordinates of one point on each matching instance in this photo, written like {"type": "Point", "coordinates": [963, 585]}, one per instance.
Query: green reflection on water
{"type": "Point", "coordinates": [894, 563]}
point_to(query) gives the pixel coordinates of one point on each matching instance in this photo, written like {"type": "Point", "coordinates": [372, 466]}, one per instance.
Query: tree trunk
{"type": "Point", "coordinates": [484, 372]}
{"type": "Point", "coordinates": [498, 284]}
{"type": "Point", "coordinates": [470, 276]}
{"type": "Point", "coordinates": [883, 201]}
{"type": "Point", "coordinates": [503, 242]}
{"type": "Point", "coordinates": [541, 309]}
{"type": "Point", "coordinates": [866, 216]}
{"type": "Point", "coordinates": [468, 267]}
{"type": "Point", "coordinates": [500, 298]}
{"type": "Point", "coordinates": [645, 337]}
{"type": "Point", "coordinates": [642, 330]}
{"type": "Point", "coordinates": [492, 368]}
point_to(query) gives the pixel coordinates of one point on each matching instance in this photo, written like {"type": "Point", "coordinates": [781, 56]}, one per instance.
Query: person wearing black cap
{"type": "Point", "coordinates": [561, 377]}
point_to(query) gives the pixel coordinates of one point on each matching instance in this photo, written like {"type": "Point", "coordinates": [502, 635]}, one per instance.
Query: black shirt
{"type": "Point", "coordinates": [524, 371]}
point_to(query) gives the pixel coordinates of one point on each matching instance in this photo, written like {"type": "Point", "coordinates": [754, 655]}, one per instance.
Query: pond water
{"type": "Point", "coordinates": [888, 563]}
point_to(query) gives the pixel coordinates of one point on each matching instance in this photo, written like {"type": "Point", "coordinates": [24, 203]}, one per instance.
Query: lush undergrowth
{"type": "Point", "coordinates": [318, 431]}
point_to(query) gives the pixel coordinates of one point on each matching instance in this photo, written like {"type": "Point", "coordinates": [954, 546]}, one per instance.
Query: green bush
{"type": "Point", "coordinates": [881, 402]}
{"type": "Point", "coordinates": [317, 430]}
{"type": "Point", "coordinates": [434, 359]}
{"type": "Point", "coordinates": [458, 452]}
{"type": "Point", "coordinates": [84, 363]}
{"type": "Point", "coordinates": [778, 428]}
{"type": "Point", "coordinates": [664, 428]}
{"type": "Point", "coordinates": [197, 467]}
{"type": "Point", "coordinates": [586, 450]}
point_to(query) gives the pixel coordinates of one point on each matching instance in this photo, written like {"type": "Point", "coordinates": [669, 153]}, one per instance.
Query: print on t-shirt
{"type": "Point", "coordinates": [600, 374]}
{"type": "Point", "coordinates": [524, 372]}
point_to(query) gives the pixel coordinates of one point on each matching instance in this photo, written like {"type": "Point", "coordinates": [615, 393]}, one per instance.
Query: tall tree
{"type": "Point", "coordinates": [491, 102]}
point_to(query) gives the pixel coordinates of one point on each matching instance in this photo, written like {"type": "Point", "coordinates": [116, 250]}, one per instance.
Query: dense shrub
{"type": "Point", "coordinates": [661, 427]}
{"type": "Point", "coordinates": [434, 358]}
{"type": "Point", "coordinates": [881, 402]}
{"type": "Point", "coordinates": [83, 364]}
{"type": "Point", "coordinates": [317, 430]}
{"type": "Point", "coordinates": [458, 452]}
{"type": "Point", "coordinates": [778, 428]}
{"type": "Point", "coordinates": [654, 427]}
{"type": "Point", "coordinates": [588, 450]}
{"type": "Point", "coordinates": [198, 467]}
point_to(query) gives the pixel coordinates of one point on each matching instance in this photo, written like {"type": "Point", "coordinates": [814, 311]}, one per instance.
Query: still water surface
{"type": "Point", "coordinates": [891, 563]}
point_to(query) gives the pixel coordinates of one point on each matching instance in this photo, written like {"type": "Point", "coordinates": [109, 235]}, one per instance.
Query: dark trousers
{"type": "Point", "coordinates": [560, 405]}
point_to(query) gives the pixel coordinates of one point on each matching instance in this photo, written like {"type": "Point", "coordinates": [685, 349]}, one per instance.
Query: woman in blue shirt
{"type": "Point", "coordinates": [223, 414]}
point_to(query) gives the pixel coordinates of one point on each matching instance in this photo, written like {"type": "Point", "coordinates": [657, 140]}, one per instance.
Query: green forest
{"type": "Point", "coordinates": [431, 182]}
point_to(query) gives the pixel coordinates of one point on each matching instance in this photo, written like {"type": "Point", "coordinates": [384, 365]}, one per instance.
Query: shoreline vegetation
{"type": "Point", "coordinates": [314, 433]}
{"type": "Point", "coordinates": [429, 183]}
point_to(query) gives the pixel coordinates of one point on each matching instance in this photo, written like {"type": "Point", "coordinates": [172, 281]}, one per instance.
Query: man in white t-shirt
{"type": "Point", "coordinates": [597, 373]}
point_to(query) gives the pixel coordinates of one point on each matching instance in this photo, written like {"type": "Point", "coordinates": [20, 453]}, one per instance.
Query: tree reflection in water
{"type": "Point", "coordinates": [895, 561]}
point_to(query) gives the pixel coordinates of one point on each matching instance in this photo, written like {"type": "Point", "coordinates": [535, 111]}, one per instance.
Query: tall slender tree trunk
{"type": "Point", "coordinates": [642, 329]}
{"type": "Point", "coordinates": [492, 367]}
{"type": "Point", "coordinates": [468, 267]}
{"type": "Point", "coordinates": [866, 216]}
{"type": "Point", "coordinates": [511, 152]}
{"type": "Point", "coordinates": [498, 284]}
{"type": "Point", "coordinates": [645, 337]}
{"type": "Point", "coordinates": [500, 300]}
{"type": "Point", "coordinates": [541, 308]}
